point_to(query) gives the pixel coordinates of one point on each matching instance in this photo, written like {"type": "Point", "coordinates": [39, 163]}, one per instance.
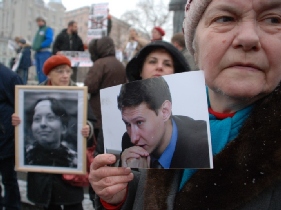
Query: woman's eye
{"type": "Point", "coordinates": [224, 19]}
{"type": "Point", "coordinates": [51, 118]}
{"type": "Point", "coordinates": [152, 61]}
{"type": "Point", "coordinates": [273, 20]}
{"type": "Point", "coordinates": [36, 119]}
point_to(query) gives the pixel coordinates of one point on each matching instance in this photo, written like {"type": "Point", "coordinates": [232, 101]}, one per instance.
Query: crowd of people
{"type": "Point", "coordinates": [237, 45]}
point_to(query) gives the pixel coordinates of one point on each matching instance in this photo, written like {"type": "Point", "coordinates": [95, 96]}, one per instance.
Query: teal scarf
{"type": "Point", "coordinates": [222, 132]}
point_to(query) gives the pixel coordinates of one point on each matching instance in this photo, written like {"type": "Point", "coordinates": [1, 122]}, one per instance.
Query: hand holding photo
{"type": "Point", "coordinates": [161, 128]}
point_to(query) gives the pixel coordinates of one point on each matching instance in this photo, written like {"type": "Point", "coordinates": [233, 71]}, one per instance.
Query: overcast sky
{"type": "Point", "coordinates": [117, 7]}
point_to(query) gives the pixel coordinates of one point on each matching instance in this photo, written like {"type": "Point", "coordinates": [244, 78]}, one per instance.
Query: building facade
{"type": "Point", "coordinates": [18, 19]}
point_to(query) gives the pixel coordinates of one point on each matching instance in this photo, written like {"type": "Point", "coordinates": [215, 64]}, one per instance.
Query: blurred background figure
{"type": "Point", "coordinates": [8, 80]}
{"type": "Point", "coordinates": [69, 40]}
{"type": "Point", "coordinates": [179, 42]}
{"type": "Point", "coordinates": [23, 60]}
{"type": "Point", "coordinates": [134, 44]}
{"type": "Point", "coordinates": [157, 33]}
{"type": "Point", "coordinates": [107, 71]}
{"type": "Point", "coordinates": [42, 46]}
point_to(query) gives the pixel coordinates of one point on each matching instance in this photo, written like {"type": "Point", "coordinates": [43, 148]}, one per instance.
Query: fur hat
{"type": "Point", "coordinates": [54, 61]}
{"type": "Point", "coordinates": [160, 30]}
{"type": "Point", "coordinates": [193, 12]}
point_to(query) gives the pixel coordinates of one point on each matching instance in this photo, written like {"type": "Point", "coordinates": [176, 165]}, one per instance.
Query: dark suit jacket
{"type": "Point", "coordinates": [192, 149]}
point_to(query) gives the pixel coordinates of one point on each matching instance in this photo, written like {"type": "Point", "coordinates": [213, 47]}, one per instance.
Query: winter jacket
{"type": "Point", "coordinates": [8, 80]}
{"type": "Point", "coordinates": [43, 38]}
{"type": "Point", "coordinates": [246, 174]}
{"type": "Point", "coordinates": [25, 61]}
{"type": "Point", "coordinates": [64, 42]}
{"type": "Point", "coordinates": [106, 72]}
{"type": "Point", "coordinates": [45, 188]}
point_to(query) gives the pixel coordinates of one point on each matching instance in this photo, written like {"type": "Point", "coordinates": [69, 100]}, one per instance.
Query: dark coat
{"type": "Point", "coordinates": [25, 61]}
{"type": "Point", "coordinates": [246, 174]}
{"type": "Point", "coordinates": [44, 188]}
{"type": "Point", "coordinates": [192, 150]}
{"type": "Point", "coordinates": [106, 72]}
{"type": "Point", "coordinates": [8, 80]}
{"type": "Point", "coordinates": [62, 42]}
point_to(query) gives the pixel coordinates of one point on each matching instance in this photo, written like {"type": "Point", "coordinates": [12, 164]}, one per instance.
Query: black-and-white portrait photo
{"type": "Point", "coordinates": [48, 138]}
{"type": "Point", "coordinates": [152, 123]}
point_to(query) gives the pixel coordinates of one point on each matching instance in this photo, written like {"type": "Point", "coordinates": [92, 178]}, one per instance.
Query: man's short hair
{"type": "Point", "coordinates": [179, 38]}
{"type": "Point", "coordinates": [71, 23]}
{"type": "Point", "coordinates": [152, 91]}
{"type": "Point", "coordinates": [56, 106]}
{"type": "Point", "coordinates": [40, 19]}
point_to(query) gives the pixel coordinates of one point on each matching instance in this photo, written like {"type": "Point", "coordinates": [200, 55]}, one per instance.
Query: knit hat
{"type": "Point", "coordinates": [160, 30]}
{"type": "Point", "coordinates": [22, 41]}
{"type": "Point", "coordinates": [134, 67]}
{"type": "Point", "coordinates": [54, 61]}
{"type": "Point", "coordinates": [193, 13]}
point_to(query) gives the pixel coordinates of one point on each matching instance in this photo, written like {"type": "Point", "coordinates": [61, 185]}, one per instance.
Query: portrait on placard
{"type": "Point", "coordinates": [158, 123]}
{"type": "Point", "coordinates": [48, 139]}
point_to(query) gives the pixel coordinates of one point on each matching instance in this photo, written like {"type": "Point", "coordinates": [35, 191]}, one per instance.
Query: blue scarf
{"type": "Point", "coordinates": [222, 132]}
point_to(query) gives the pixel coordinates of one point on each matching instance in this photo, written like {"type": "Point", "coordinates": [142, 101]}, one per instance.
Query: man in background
{"type": "Point", "coordinates": [8, 80]}
{"type": "Point", "coordinates": [42, 46]}
{"type": "Point", "coordinates": [178, 41]}
{"type": "Point", "coordinates": [69, 40]}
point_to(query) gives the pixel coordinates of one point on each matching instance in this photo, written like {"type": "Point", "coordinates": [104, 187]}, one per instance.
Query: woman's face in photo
{"type": "Point", "coordinates": [46, 127]}
{"type": "Point", "coordinates": [157, 63]}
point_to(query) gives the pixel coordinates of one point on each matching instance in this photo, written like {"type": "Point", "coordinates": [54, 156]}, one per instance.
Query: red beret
{"type": "Point", "coordinates": [54, 61]}
{"type": "Point", "coordinates": [160, 30]}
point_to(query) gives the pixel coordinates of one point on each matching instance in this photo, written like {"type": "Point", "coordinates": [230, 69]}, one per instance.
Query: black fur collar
{"type": "Point", "coordinates": [248, 165]}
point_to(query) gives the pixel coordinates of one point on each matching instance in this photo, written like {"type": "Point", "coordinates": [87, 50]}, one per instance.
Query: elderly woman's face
{"type": "Point", "coordinates": [157, 63]}
{"type": "Point", "coordinates": [238, 44]}
{"type": "Point", "coordinates": [46, 126]}
{"type": "Point", "coordinates": [60, 75]}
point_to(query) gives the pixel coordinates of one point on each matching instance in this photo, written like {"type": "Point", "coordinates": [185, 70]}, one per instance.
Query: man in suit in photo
{"type": "Point", "coordinates": [155, 138]}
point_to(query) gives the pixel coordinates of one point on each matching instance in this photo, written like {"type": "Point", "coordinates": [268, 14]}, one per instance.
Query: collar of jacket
{"type": "Point", "coordinates": [247, 166]}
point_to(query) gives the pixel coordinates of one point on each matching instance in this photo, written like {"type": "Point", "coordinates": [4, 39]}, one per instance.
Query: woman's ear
{"type": "Point", "coordinates": [64, 129]}
{"type": "Point", "coordinates": [166, 110]}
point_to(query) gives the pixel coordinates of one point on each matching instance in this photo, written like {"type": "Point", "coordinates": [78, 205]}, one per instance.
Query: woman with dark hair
{"type": "Point", "coordinates": [48, 121]}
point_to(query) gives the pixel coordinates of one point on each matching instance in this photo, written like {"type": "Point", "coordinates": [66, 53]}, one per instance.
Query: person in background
{"type": "Point", "coordinates": [50, 190]}
{"type": "Point", "coordinates": [107, 71]}
{"type": "Point", "coordinates": [237, 45]}
{"type": "Point", "coordinates": [179, 42]}
{"type": "Point", "coordinates": [42, 46]}
{"type": "Point", "coordinates": [17, 50]}
{"type": "Point", "coordinates": [8, 81]}
{"type": "Point", "coordinates": [24, 61]}
{"type": "Point", "coordinates": [157, 33]}
{"type": "Point", "coordinates": [69, 40]}
{"type": "Point", "coordinates": [134, 45]}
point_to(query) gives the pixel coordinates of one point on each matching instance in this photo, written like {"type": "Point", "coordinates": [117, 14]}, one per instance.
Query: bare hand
{"type": "Point", "coordinates": [15, 120]}
{"type": "Point", "coordinates": [85, 131]}
{"type": "Point", "coordinates": [109, 183]}
{"type": "Point", "coordinates": [133, 152]}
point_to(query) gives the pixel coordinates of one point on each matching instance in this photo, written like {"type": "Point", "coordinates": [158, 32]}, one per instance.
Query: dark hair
{"type": "Point", "coordinates": [71, 23]}
{"type": "Point", "coordinates": [179, 38]}
{"type": "Point", "coordinates": [56, 107]}
{"type": "Point", "coordinates": [152, 91]}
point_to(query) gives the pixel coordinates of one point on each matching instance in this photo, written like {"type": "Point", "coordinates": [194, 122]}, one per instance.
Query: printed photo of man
{"type": "Point", "coordinates": [155, 138]}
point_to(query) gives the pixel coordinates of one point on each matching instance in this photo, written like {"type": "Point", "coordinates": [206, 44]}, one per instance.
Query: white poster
{"type": "Point", "coordinates": [78, 58]}
{"type": "Point", "coordinates": [97, 24]}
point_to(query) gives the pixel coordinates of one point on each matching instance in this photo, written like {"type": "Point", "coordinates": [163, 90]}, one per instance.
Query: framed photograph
{"type": "Point", "coordinates": [49, 139]}
{"type": "Point", "coordinates": [161, 122]}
